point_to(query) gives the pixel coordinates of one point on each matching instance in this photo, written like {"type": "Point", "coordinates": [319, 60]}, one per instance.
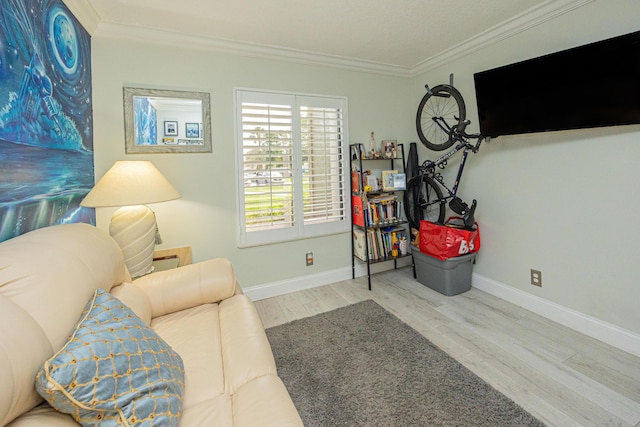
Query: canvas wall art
{"type": "Point", "coordinates": [46, 128]}
{"type": "Point", "coordinates": [146, 121]}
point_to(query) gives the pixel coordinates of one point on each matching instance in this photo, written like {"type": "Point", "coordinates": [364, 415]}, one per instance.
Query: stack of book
{"type": "Point", "coordinates": [381, 243]}
{"type": "Point", "coordinates": [376, 210]}
{"type": "Point", "coordinates": [382, 209]}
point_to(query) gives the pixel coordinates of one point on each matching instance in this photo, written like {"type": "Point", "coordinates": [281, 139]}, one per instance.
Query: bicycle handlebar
{"type": "Point", "coordinates": [463, 126]}
{"type": "Point", "coordinates": [462, 134]}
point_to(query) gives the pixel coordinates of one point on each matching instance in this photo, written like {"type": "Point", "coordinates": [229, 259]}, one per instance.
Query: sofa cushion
{"type": "Point", "coordinates": [114, 368]}
{"type": "Point", "coordinates": [205, 282]}
{"type": "Point", "coordinates": [217, 411]}
{"type": "Point", "coordinates": [52, 272]}
{"type": "Point", "coordinates": [195, 334]}
{"type": "Point", "coordinates": [23, 347]}
{"type": "Point", "coordinates": [246, 351]}
{"type": "Point", "coordinates": [43, 415]}
{"type": "Point", "coordinates": [134, 298]}
{"type": "Point", "coordinates": [264, 402]}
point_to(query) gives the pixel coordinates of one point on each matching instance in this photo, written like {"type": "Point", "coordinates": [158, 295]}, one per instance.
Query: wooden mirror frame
{"type": "Point", "coordinates": [181, 145]}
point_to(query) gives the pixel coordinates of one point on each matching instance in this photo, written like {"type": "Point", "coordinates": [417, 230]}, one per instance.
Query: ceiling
{"type": "Point", "coordinates": [392, 35]}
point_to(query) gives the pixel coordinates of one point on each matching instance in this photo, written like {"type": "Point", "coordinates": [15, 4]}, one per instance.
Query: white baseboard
{"type": "Point", "coordinates": [583, 323]}
{"type": "Point", "coordinates": [283, 287]}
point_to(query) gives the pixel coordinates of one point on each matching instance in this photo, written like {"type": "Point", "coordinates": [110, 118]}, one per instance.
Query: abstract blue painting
{"type": "Point", "coordinates": [145, 121]}
{"type": "Point", "coordinates": [46, 125]}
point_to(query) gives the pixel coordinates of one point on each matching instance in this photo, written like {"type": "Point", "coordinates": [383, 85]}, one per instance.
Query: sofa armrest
{"type": "Point", "coordinates": [189, 286]}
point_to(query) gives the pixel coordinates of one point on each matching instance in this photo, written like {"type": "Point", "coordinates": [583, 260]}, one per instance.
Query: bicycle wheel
{"type": "Point", "coordinates": [423, 200]}
{"type": "Point", "coordinates": [440, 109]}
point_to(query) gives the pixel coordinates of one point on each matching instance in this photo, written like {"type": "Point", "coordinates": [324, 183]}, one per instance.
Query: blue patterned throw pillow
{"type": "Point", "coordinates": [114, 370]}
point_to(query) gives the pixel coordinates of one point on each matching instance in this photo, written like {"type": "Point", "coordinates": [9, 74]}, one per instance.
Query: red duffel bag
{"type": "Point", "coordinates": [448, 240]}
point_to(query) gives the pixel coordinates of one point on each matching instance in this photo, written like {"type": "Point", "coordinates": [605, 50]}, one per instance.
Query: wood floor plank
{"type": "Point", "coordinates": [598, 394]}
{"type": "Point", "coordinates": [292, 308]}
{"type": "Point", "coordinates": [311, 302]}
{"type": "Point", "coordinates": [521, 387]}
{"type": "Point", "coordinates": [270, 312]}
{"type": "Point", "coordinates": [329, 299]}
{"type": "Point", "coordinates": [623, 383]}
{"type": "Point", "coordinates": [504, 365]}
{"type": "Point", "coordinates": [350, 292]}
{"type": "Point", "coordinates": [559, 375]}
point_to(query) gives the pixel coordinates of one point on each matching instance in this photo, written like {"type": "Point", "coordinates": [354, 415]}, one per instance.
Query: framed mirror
{"type": "Point", "coordinates": [166, 121]}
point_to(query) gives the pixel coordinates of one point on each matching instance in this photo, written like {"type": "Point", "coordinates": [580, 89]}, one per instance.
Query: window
{"type": "Point", "coordinates": [292, 169]}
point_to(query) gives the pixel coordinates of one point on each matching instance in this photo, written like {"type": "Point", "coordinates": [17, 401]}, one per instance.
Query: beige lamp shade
{"type": "Point", "coordinates": [131, 184]}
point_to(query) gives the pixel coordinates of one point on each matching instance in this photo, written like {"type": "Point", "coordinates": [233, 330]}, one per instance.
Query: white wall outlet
{"type": "Point", "coordinates": [536, 277]}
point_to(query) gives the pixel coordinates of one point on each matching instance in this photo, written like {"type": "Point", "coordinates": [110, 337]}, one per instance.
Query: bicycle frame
{"type": "Point", "coordinates": [461, 144]}
{"type": "Point", "coordinates": [429, 195]}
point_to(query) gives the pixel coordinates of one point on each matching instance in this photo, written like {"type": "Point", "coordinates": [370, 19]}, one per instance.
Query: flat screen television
{"type": "Point", "coordinates": [589, 86]}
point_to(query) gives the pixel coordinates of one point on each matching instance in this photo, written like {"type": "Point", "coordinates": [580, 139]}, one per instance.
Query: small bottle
{"type": "Point", "coordinates": [403, 246]}
{"type": "Point", "coordinates": [394, 245]}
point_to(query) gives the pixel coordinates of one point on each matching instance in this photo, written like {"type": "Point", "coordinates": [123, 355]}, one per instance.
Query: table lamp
{"type": "Point", "coordinates": [131, 185]}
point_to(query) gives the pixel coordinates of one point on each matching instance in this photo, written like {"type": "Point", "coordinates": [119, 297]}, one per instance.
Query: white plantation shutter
{"type": "Point", "coordinates": [322, 145]}
{"type": "Point", "coordinates": [267, 166]}
{"type": "Point", "coordinates": [291, 167]}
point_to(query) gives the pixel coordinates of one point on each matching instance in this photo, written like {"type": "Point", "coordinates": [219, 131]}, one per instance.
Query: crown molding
{"type": "Point", "coordinates": [528, 19]}
{"type": "Point", "coordinates": [88, 17]}
{"type": "Point", "coordinates": [85, 13]}
{"type": "Point", "coordinates": [167, 38]}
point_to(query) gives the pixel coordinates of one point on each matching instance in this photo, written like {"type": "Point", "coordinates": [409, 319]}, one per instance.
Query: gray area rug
{"type": "Point", "coordinates": [361, 366]}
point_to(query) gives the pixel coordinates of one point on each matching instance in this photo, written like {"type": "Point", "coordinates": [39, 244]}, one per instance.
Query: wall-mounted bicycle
{"type": "Point", "coordinates": [441, 123]}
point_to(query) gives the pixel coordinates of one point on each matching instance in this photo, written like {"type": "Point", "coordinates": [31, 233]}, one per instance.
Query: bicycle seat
{"type": "Point", "coordinates": [469, 217]}
{"type": "Point", "coordinates": [458, 206]}
{"type": "Point", "coordinates": [468, 213]}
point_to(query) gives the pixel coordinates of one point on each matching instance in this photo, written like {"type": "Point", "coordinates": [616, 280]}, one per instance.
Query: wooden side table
{"type": "Point", "coordinates": [167, 259]}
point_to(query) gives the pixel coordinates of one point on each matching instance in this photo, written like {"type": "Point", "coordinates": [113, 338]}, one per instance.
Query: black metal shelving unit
{"type": "Point", "coordinates": [356, 152]}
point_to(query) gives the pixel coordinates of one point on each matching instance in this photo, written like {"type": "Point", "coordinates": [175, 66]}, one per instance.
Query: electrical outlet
{"type": "Point", "coordinates": [536, 277]}
{"type": "Point", "coordinates": [309, 258]}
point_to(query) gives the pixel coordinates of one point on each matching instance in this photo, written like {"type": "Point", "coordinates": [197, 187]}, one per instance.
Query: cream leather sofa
{"type": "Point", "coordinates": [48, 275]}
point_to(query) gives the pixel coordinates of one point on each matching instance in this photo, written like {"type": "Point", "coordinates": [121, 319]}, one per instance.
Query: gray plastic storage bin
{"type": "Point", "coordinates": [449, 277]}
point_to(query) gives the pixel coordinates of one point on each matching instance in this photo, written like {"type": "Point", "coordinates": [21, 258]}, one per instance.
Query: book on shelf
{"type": "Point", "coordinates": [357, 208]}
{"type": "Point", "coordinates": [382, 209]}
{"type": "Point", "coordinates": [380, 244]}
{"type": "Point", "coordinates": [359, 245]}
{"type": "Point", "coordinates": [355, 181]}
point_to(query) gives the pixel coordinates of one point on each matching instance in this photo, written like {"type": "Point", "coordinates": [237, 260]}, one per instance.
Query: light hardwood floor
{"type": "Point", "coordinates": [560, 376]}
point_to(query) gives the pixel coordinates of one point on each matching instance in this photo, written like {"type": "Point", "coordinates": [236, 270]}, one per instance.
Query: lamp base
{"type": "Point", "coordinates": [135, 229]}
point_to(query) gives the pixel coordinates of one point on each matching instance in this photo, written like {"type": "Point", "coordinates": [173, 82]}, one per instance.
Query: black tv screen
{"type": "Point", "coordinates": [589, 86]}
